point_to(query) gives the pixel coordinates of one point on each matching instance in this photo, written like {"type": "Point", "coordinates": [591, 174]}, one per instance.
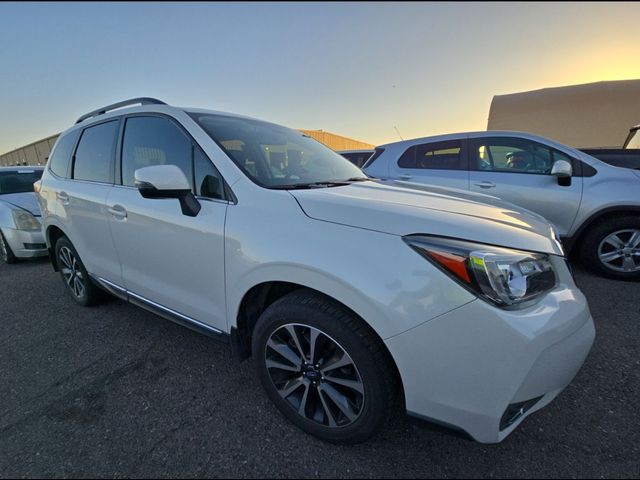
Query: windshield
{"type": "Point", "coordinates": [18, 181]}
{"type": "Point", "coordinates": [275, 156]}
{"type": "Point", "coordinates": [633, 140]}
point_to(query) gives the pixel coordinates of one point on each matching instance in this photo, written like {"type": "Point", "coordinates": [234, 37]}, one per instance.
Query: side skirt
{"type": "Point", "coordinates": [161, 310]}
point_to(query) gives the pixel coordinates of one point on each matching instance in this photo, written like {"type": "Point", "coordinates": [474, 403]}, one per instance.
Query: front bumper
{"type": "Point", "coordinates": [483, 370]}
{"type": "Point", "coordinates": [26, 244]}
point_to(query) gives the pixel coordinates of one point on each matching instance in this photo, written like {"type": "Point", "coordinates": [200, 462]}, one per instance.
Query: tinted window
{"type": "Point", "coordinates": [94, 155]}
{"type": "Point", "coordinates": [208, 181]}
{"type": "Point", "coordinates": [434, 156]}
{"type": "Point", "coordinates": [153, 141]}
{"type": "Point", "coordinates": [274, 156]}
{"type": "Point", "coordinates": [358, 159]}
{"type": "Point", "coordinates": [61, 155]}
{"type": "Point", "coordinates": [18, 181]}
{"type": "Point", "coordinates": [513, 155]}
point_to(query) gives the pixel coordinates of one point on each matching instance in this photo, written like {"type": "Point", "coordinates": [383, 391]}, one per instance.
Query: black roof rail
{"type": "Point", "coordinates": [125, 103]}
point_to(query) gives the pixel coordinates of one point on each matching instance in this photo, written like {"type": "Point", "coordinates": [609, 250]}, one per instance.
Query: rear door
{"type": "Point", "coordinates": [172, 260]}
{"type": "Point", "coordinates": [519, 171]}
{"type": "Point", "coordinates": [81, 200]}
{"type": "Point", "coordinates": [441, 163]}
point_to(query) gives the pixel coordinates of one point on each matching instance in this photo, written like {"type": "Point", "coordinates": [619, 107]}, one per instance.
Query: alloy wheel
{"type": "Point", "coordinates": [315, 375]}
{"type": "Point", "coordinates": [71, 272]}
{"type": "Point", "coordinates": [620, 251]}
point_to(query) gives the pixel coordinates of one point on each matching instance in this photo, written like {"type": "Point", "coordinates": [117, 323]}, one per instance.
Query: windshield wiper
{"type": "Point", "coordinates": [359, 179]}
{"type": "Point", "coordinates": [301, 186]}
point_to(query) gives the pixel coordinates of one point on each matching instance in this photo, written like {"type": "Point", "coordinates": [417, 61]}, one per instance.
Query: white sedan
{"type": "Point", "coordinates": [20, 230]}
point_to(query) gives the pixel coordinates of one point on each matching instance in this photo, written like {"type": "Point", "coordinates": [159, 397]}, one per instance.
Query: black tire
{"type": "Point", "coordinates": [5, 251]}
{"type": "Point", "coordinates": [90, 293]}
{"type": "Point", "coordinates": [371, 363]}
{"type": "Point", "coordinates": [593, 244]}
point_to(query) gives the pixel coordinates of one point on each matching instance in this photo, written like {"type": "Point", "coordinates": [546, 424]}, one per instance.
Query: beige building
{"type": "Point", "coordinates": [36, 153]}
{"type": "Point", "coordinates": [337, 142]}
{"type": "Point", "coordinates": [592, 115]}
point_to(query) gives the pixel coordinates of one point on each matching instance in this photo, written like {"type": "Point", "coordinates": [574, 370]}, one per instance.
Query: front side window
{"type": "Point", "coordinates": [434, 156]}
{"type": "Point", "coordinates": [511, 155]}
{"type": "Point", "coordinates": [18, 181]}
{"type": "Point", "coordinates": [208, 181]}
{"type": "Point", "coordinates": [61, 155]}
{"type": "Point", "coordinates": [152, 141]}
{"type": "Point", "coordinates": [94, 155]}
{"type": "Point", "coordinates": [275, 156]}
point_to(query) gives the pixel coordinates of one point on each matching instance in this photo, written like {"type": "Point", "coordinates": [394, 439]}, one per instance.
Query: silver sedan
{"type": "Point", "coordinates": [20, 228]}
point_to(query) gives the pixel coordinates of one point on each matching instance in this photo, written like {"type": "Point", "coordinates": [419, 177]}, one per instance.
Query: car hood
{"type": "Point", "coordinates": [403, 210]}
{"type": "Point", "coordinates": [26, 201]}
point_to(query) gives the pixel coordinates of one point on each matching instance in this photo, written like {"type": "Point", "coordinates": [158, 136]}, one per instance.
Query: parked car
{"type": "Point", "coordinates": [345, 291]}
{"type": "Point", "coordinates": [594, 206]}
{"type": "Point", "coordinates": [627, 157]}
{"type": "Point", "coordinates": [20, 229]}
{"type": "Point", "coordinates": [357, 157]}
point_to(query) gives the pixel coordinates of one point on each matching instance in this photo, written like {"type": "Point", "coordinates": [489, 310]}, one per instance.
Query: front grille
{"type": "Point", "coordinates": [35, 246]}
{"type": "Point", "coordinates": [515, 411]}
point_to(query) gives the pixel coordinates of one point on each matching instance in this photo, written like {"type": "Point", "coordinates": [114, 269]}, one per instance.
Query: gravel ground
{"type": "Point", "coordinates": [115, 391]}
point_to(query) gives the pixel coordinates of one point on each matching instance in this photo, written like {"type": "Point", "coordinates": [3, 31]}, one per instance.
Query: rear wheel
{"type": "Point", "coordinates": [75, 276]}
{"type": "Point", "coordinates": [612, 248]}
{"type": "Point", "coordinates": [5, 251]}
{"type": "Point", "coordinates": [324, 368]}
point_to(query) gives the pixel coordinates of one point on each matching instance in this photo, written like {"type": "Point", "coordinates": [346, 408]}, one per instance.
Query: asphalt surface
{"type": "Point", "coordinates": [115, 391]}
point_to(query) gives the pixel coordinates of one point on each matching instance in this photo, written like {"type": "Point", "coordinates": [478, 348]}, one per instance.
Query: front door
{"type": "Point", "coordinates": [519, 171]}
{"type": "Point", "coordinates": [173, 260]}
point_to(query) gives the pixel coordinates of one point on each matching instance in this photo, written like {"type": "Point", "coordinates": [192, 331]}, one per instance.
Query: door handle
{"type": "Point", "coordinates": [485, 184]}
{"type": "Point", "coordinates": [405, 177]}
{"type": "Point", "coordinates": [118, 212]}
{"type": "Point", "coordinates": [63, 197]}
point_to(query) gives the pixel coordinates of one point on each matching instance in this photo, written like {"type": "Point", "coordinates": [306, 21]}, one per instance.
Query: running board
{"type": "Point", "coordinates": [161, 310]}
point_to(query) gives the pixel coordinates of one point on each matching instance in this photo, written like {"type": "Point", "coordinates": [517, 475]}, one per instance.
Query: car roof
{"type": "Point", "coordinates": [480, 134]}
{"type": "Point", "coordinates": [362, 150]}
{"type": "Point", "coordinates": [152, 108]}
{"type": "Point", "coordinates": [21, 167]}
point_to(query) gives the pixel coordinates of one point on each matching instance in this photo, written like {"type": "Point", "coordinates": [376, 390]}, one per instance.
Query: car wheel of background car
{"type": "Point", "coordinates": [75, 276]}
{"type": "Point", "coordinates": [612, 248]}
{"type": "Point", "coordinates": [324, 368]}
{"type": "Point", "coordinates": [5, 251]}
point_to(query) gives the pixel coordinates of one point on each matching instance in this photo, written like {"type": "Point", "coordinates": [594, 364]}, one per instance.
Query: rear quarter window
{"type": "Point", "coordinates": [61, 156]}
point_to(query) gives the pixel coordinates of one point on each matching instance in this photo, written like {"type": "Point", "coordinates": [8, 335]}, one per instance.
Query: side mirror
{"type": "Point", "coordinates": [167, 181]}
{"type": "Point", "coordinates": [563, 171]}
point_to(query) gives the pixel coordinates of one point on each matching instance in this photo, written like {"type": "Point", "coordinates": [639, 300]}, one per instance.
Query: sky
{"type": "Point", "coordinates": [356, 69]}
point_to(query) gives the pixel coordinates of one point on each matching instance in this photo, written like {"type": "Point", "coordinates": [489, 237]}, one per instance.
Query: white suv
{"type": "Point", "coordinates": [345, 291]}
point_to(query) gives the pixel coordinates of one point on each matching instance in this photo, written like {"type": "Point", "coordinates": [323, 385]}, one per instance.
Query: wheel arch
{"type": "Point", "coordinates": [595, 218]}
{"type": "Point", "coordinates": [258, 298]}
{"type": "Point", "coordinates": [53, 233]}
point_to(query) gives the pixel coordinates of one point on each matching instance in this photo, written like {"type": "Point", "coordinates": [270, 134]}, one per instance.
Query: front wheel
{"type": "Point", "coordinates": [324, 368]}
{"type": "Point", "coordinates": [612, 248]}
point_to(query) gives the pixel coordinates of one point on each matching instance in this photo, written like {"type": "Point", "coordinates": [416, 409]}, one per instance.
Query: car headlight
{"type": "Point", "coordinates": [25, 221]}
{"type": "Point", "coordinates": [502, 276]}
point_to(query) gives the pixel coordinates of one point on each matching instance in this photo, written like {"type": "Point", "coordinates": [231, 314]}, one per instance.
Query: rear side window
{"type": "Point", "coordinates": [434, 156]}
{"type": "Point", "coordinates": [61, 155]}
{"type": "Point", "coordinates": [94, 156]}
{"type": "Point", "coordinates": [153, 141]}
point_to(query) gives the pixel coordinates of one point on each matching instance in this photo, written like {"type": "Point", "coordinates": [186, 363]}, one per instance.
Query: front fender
{"type": "Point", "coordinates": [6, 216]}
{"type": "Point", "coordinates": [374, 274]}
